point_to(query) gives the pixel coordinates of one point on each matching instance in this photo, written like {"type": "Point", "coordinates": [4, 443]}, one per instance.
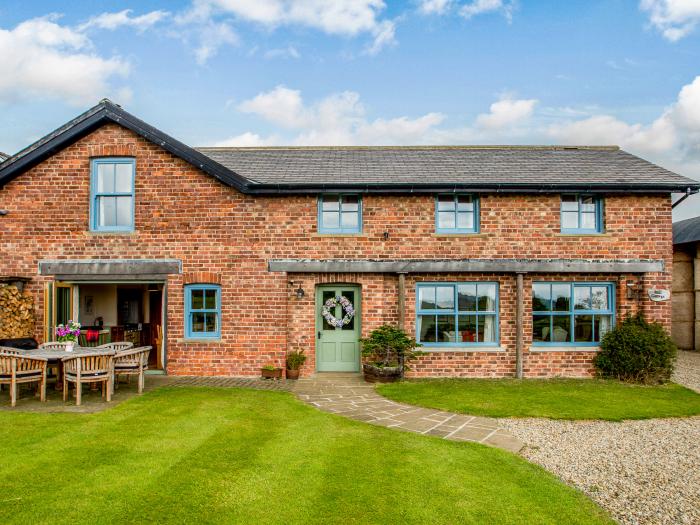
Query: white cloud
{"type": "Point", "coordinates": [674, 18]}
{"type": "Point", "coordinates": [480, 7]}
{"type": "Point", "coordinates": [112, 21]}
{"type": "Point", "coordinates": [213, 35]}
{"type": "Point", "coordinates": [287, 52]}
{"type": "Point", "coordinates": [42, 59]}
{"type": "Point", "coordinates": [506, 112]}
{"type": "Point", "coordinates": [434, 7]}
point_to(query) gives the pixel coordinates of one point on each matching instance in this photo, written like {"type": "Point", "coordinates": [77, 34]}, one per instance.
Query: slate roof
{"type": "Point", "coordinates": [686, 231]}
{"type": "Point", "coordinates": [475, 165]}
{"type": "Point", "coordinates": [412, 169]}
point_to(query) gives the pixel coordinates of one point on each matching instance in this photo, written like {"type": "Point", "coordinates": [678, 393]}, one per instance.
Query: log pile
{"type": "Point", "coordinates": [16, 313]}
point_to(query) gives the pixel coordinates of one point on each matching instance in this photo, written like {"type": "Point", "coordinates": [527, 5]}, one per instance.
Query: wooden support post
{"type": "Point", "coordinates": [519, 309]}
{"type": "Point", "coordinates": [402, 301]}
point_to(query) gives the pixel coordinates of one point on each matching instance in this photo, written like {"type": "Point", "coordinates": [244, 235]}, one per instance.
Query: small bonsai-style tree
{"type": "Point", "coordinates": [295, 360]}
{"type": "Point", "coordinates": [390, 346]}
{"type": "Point", "coordinates": [636, 351]}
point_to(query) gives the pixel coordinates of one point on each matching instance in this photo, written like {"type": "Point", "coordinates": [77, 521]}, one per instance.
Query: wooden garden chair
{"type": "Point", "coordinates": [132, 362]}
{"type": "Point", "coordinates": [16, 369]}
{"type": "Point", "coordinates": [117, 347]}
{"type": "Point", "coordinates": [88, 369]}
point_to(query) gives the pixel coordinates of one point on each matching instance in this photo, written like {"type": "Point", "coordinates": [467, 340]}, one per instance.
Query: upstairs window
{"type": "Point", "coordinates": [456, 214]}
{"type": "Point", "coordinates": [202, 311]}
{"type": "Point", "coordinates": [581, 214]}
{"type": "Point", "coordinates": [339, 214]}
{"type": "Point", "coordinates": [112, 194]}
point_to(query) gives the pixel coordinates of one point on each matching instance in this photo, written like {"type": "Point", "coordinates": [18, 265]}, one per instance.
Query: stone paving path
{"type": "Point", "coordinates": [350, 396]}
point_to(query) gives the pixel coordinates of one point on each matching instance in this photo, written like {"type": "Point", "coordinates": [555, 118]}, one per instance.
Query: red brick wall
{"type": "Point", "coordinates": [185, 214]}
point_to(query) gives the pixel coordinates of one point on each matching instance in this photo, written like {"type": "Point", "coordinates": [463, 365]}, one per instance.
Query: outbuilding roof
{"type": "Point", "coordinates": [533, 169]}
{"type": "Point", "coordinates": [686, 231]}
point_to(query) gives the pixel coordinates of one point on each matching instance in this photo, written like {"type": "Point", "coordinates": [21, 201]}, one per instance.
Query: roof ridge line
{"type": "Point", "coordinates": [517, 147]}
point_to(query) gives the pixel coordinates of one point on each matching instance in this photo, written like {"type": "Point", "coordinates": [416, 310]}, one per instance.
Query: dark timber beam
{"type": "Point", "coordinates": [519, 309]}
{"type": "Point", "coordinates": [111, 269]}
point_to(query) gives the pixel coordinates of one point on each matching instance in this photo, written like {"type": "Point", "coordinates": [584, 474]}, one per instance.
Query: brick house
{"type": "Point", "coordinates": [500, 260]}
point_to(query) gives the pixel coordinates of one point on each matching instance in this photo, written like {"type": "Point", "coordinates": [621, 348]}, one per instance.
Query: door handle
{"type": "Point", "coordinates": [319, 334]}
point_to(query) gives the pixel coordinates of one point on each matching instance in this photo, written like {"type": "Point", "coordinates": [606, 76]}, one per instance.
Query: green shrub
{"type": "Point", "coordinates": [389, 346]}
{"type": "Point", "coordinates": [636, 351]}
{"type": "Point", "coordinates": [295, 360]}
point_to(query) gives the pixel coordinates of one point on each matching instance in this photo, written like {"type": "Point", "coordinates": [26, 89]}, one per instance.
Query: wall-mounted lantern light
{"type": "Point", "coordinates": [4, 212]}
{"type": "Point", "coordinates": [299, 292]}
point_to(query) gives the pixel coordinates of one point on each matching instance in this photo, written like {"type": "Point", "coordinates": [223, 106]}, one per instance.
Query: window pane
{"type": "Point", "coordinates": [108, 212]}
{"type": "Point", "coordinates": [123, 178]}
{"type": "Point", "coordinates": [211, 322]}
{"type": "Point", "coordinates": [467, 328]}
{"type": "Point", "coordinates": [330, 203]}
{"type": "Point", "coordinates": [583, 328]}
{"type": "Point", "coordinates": [446, 203]}
{"type": "Point", "coordinates": [351, 203]}
{"type": "Point", "coordinates": [540, 297]}
{"type": "Point", "coordinates": [445, 298]}
{"type": "Point", "coordinates": [588, 221]}
{"type": "Point", "coordinates": [587, 204]}
{"type": "Point", "coordinates": [210, 299]}
{"type": "Point", "coordinates": [351, 220]}
{"type": "Point", "coordinates": [446, 332]}
{"type": "Point", "coordinates": [446, 220]}
{"type": "Point", "coordinates": [540, 328]}
{"type": "Point", "coordinates": [124, 211]}
{"type": "Point", "coordinates": [465, 203]}
{"type": "Point", "coordinates": [569, 203]}
{"type": "Point", "coordinates": [197, 299]}
{"type": "Point", "coordinates": [426, 297]}
{"type": "Point", "coordinates": [487, 328]}
{"type": "Point", "coordinates": [426, 328]}
{"type": "Point", "coordinates": [105, 178]}
{"type": "Point", "coordinates": [466, 297]}
{"type": "Point", "coordinates": [198, 321]}
{"type": "Point", "coordinates": [561, 297]}
{"type": "Point", "coordinates": [582, 298]}
{"type": "Point", "coordinates": [569, 220]}
{"type": "Point", "coordinates": [487, 297]}
{"type": "Point", "coordinates": [561, 331]}
{"type": "Point", "coordinates": [599, 297]}
{"type": "Point", "coordinates": [465, 221]}
{"type": "Point", "coordinates": [603, 324]}
{"type": "Point", "coordinates": [330, 220]}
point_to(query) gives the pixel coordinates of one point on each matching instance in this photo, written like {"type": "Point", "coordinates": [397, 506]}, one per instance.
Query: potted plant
{"type": "Point", "coordinates": [68, 333]}
{"type": "Point", "coordinates": [294, 362]}
{"type": "Point", "coordinates": [388, 349]}
{"type": "Point", "coordinates": [271, 372]}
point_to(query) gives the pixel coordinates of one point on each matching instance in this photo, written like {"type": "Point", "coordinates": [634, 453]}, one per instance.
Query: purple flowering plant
{"type": "Point", "coordinates": [68, 332]}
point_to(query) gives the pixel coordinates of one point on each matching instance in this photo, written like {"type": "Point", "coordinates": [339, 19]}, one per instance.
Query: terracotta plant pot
{"type": "Point", "coordinates": [272, 374]}
{"type": "Point", "coordinates": [376, 374]}
{"type": "Point", "coordinates": [293, 374]}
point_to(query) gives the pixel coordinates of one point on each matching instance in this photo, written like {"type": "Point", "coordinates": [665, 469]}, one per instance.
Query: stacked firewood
{"type": "Point", "coordinates": [16, 312]}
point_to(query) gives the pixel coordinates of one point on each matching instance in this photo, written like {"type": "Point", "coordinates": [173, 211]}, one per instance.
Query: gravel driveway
{"type": "Point", "coordinates": [642, 472]}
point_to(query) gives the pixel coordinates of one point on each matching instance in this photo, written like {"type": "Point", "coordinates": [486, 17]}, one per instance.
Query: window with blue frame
{"type": "Point", "coordinates": [112, 194]}
{"type": "Point", "coordinates": [581, 214]}
{"type": "Point", "coordinates": [339, 214]}
{"type": "Point", "coordinates": [457, 314]}
{"type": "Point", "coordinates": [202, 311]}
{"type": "Point", "coordinates": [457, 213]}
{"type": "Point", "coordinates": [571, 313]}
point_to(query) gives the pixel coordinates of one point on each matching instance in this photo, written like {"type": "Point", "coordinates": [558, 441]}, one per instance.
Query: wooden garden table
{"type": "Point", "coordinates": [56, 357]}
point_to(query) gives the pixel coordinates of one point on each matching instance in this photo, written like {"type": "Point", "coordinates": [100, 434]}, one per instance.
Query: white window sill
{"type": "Point", "coordinates": [536, 349]}
{"type": "Point", "coordinates": [460, 349]}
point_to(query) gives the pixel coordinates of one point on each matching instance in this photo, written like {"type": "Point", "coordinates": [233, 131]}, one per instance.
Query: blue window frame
{"type": "Point", "coordinates": [571, 313]}
{"type": "Point", "coordinates": [202, 311]}
{"type": "Point", "coordinates": [456, 213]}
{"type": "Point", "coordinates": [340, 213]}
{"type": "Point", "coordinates": [581, 214]}
{"type": "Point", "coordinates": [112, 194]}
{"type": "Point", "coordinates": [457, 314]}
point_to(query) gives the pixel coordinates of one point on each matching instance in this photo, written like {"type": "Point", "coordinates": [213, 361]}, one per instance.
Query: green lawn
{"type": "Point", "coordinates": [553, 398]}
{"type": "Point", "coordinates": [206, 455]}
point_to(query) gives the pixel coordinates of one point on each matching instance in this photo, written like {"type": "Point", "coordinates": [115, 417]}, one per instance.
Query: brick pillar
{"type": "Point", "coordinates": [696, 287]}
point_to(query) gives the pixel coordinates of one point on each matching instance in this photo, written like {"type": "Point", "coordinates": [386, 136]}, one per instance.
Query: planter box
{"type": "Point", "coordinates": [293, 374]}
{"type": "Point", "coordinates": [387, 374]}
{"type": "Point", "coordinates": [272, 374]}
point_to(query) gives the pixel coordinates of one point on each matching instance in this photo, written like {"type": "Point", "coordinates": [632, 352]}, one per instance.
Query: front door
{"type": "Point", "coordinates": [337, 348]}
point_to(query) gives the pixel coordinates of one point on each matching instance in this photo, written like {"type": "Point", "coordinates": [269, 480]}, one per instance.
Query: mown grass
{"type": "Point", "coordinates": [552, 398]}
{"type": "Point", "coordinates": [207, 455]}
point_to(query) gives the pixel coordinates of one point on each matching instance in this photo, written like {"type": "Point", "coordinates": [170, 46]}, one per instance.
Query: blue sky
{"type": "Point", "coordinates": [267, 72]}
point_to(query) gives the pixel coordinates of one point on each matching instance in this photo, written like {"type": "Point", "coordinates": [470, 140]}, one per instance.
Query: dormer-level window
{"type": "Point", "coordinates": [456, 213]}
{"type": "Point", "coordinates": [581, 213]}
{"type": "Point", "coordinates": [112, 194]}
{"type": "Point", "coordinates": [340, 213]}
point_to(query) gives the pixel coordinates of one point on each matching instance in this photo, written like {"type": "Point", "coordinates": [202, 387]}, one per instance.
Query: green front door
{"type": "Point", "coordinates": [337, 349]}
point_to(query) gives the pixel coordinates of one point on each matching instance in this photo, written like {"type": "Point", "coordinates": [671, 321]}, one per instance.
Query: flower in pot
{"type": "Point", "coordinates": [388, 349]}
{"type": "Point", "coordinates": [271, 372]}
{"type": "Point", "coordinates": [294, 362]}
{"type": "Point", "coordinates": [68, 333]}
